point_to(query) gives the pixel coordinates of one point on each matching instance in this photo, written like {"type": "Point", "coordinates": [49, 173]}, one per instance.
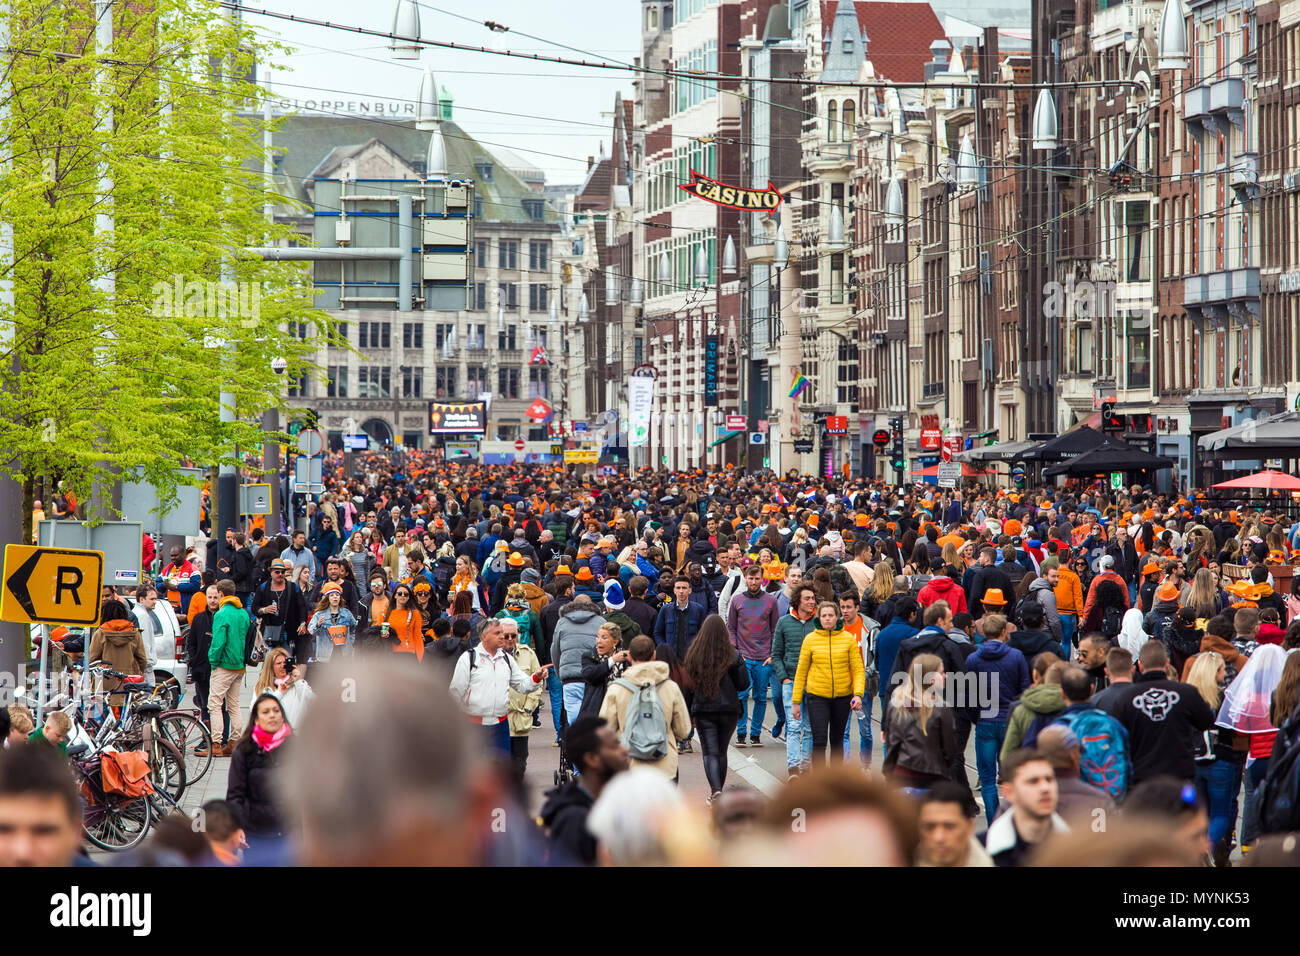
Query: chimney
{"type": "Point", "coordinates": [938, 58]}
{"type": "Point", "coordinates": [591, 161]}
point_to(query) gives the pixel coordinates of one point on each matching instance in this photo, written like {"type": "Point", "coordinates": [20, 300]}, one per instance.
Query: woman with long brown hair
{"type": "Point", "coordinates": [718, 672]}
{"type": "Point", "coordinates": [920, 738]}
{"type": "Point", "coordinates": [1202, 596]}
{"type": "Point", "coordinates": [882, 588]}
{"type": "Point", "coordinates": [405, 624]}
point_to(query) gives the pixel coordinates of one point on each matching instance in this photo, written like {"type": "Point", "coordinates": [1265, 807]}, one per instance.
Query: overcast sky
{"type": "Point", "coordinates": [342, 65]}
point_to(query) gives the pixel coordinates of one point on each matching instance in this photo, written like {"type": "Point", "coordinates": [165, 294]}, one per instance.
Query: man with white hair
{"type": "Point", "coordinates": [483, 679]}
{"type": "Point", "coordinates": [632, 817]}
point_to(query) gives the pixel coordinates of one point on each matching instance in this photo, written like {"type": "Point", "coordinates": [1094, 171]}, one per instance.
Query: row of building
{"type": "Point", "coordinates": [987, 232]}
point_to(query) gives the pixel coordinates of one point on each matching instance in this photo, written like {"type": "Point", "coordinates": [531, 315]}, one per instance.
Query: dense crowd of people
{"type": "Point", "coordinates": [1121, 661]}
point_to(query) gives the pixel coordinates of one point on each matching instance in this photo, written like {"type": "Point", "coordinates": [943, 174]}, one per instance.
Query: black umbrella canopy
{"type": "Point", "coordinates": [1107, 457]}
{"type": "Point", "coordinates": [1063, 447]}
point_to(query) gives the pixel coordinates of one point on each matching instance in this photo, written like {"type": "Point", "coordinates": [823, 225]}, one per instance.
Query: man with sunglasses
{"type": "Point", "coordinates": [282, 609]}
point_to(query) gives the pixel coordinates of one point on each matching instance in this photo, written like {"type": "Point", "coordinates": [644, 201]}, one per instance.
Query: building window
{"type": "Point", "coordinates": [374, 335]}
{"type": "Point", "coordinates": [539, 382]}
{"type": "Point", "coordinates": [506, 338]}
{"type": "Point", "coordinates": [337, 381]}
{"type": "Point", "coordinates": [442, 332]}
{"type": "Point", "coordinates": [478, 206]}
{"type": "Point", "coordinates": [484, 171]}
{"type": "Point", "coordinates": [445, 381]}
{"type": "Point", "coordinates": [535, 209]}
{"type": "Point", "coordinates": [847, 113]}
{"type": "Point", "coordinates": [538, 297]}
{"type": "Point", "coordinates": [412, 382]}
{"type": "Point", "coordinates": [508, 254]}
{"type": "Point", "coordinates": [480, 254]}
{"type": "Point", "coordinates": [298, 386]}
{"type": "Point", "coordinates": [510, 295]}
{"type": "Point", "coordinates": [508, 382]}
{"type": "Point", "coordinates": [475, 381]}
{"type": "Point", "coordinates": [413, 335]}
{"type": "Point", "coordinates": [375, 381]}
{"type": "Point", "coordinates": [537, 253]}
{"type": "Point", "coordinates": [477, 336]}
{"type": "Point", "coordinates": [837, 279]}
{"type": "Point", "coordinates": [480, 296]}
{"type": "Point", "coordinates": [298, 330]}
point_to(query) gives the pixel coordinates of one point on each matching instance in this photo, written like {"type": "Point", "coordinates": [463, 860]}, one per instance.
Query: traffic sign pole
{"type": "Point", "coordinates": [41, 678]}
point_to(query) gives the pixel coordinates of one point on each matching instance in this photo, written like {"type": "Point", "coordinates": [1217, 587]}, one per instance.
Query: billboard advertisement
{"type": "Point", "coordinates": [457, 418]}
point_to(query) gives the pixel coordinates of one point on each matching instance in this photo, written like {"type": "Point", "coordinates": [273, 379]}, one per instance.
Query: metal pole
{"type": "Point", "coordinates": [227, 475]}
{"type": "Point", "coordinates": [13, 637]}
{"type": "Point", "coordinates": [42, 694]}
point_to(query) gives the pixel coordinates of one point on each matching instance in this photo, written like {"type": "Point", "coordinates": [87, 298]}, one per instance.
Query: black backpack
{"type": "Point", "coordinates": [1018, 613]}
{"type": "Point", "coordinates": [1278, 801]}
{"type": "Point", "coordinates": [1112, 620]}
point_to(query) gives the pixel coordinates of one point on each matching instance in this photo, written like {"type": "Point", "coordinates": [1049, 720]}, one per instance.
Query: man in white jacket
{"type": "Point", "coordinates": [483, 679]}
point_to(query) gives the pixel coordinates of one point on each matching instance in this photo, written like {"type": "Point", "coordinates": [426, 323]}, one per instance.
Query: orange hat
{"type": "Point", "coordinates": [516, 560]}
{"type": "Point", "coordinates": [1276, 557]}
{"type": "Point", "coordinates": [813, 520]}
{"type": "Point", "coordinates": [422, 586]}
{"type": "Point", "coordinates": [1150, 568]}
{"type": "Point", "coordinates": [563, 569]}
{"type": "Point", "coordinates": [326, 589]}
{"type": "Point", "coordinates": [994, 597]}
{"type": "Point", "coordinates": [774, 570]}
{"type": "Point", "coordinates": [584, 574]}
{"type": "Point", "coordinates": [1148, 514]}
{"type": "Point", "coordinates": [1167, 592]}
{"type": "Point", "coordinates": [862, 521]}
{"type": "Point", "coordinates": [503, 546]}
{"type": "Point", "coordinates": [1012, 527]}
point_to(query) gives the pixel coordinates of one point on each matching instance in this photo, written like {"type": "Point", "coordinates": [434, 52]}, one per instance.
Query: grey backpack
{"type": "Point", "coordinates": [645, 731]}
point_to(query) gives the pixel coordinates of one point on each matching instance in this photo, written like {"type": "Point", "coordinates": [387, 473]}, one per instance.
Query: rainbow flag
{"type": "Point", "coordinates": [800, 383]}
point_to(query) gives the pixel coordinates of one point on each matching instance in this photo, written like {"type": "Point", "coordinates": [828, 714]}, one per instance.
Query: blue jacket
{"type": "Point", "coordinates": [996, 657]}
{"type": "Point", "coordinates": [704, 596]}
{"type": "Point", "coordinates": [887, 641]}
{"type": "Point", "coordinates": [677, 627]}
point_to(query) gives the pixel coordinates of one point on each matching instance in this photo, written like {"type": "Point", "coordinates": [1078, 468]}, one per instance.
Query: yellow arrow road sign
{"type": "Point", "coordinates": [51, 585]}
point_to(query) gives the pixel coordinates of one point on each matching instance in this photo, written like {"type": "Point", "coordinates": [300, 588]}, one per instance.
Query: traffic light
{"type": "Point", "coordinates": [898, 456]}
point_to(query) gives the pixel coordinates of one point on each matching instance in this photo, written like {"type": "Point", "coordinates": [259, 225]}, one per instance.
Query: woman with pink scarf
{"type": "Point", "coordinates": [255, 763]}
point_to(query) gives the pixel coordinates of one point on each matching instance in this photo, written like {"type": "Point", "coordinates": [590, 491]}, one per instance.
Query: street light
{"type": "Point", "coordinates": [968, 173]}
{"type": "Point", "coordinates": [780, 251]}
{"type": "Point", "coordinates": [427, 114]}
{"type": "Point", "coordinates": [612, 290]}
{"type": "Point", "coordinates": [406, 23]}
{"type": "Point", "coordinates": [435, 161]}
{"type": "Point", "coordinates": [1045, 121]}
{"type": "Point", "coordinates": [894, 212]}
{"type": "Point", "coordinates": [1172, 38]}
{"type": "Point", "coordinates": [584, 310]}
{"type": "Point", "coordinates": [702, 266]}
{"type": "Point", "coordinates": [665, 270]}
{"type": "Point", "coordinates": [635, 298]}
{"type": "Point", "coordinates": [835, 230]}
{"type": "Point", "coordinates": [729, 257]}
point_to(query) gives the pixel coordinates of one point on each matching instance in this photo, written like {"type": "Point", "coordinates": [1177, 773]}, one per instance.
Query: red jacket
{"type": "Point", "coordinates": [943, 588]}
{"type": "Point", "coordinates": [147, 551]}
{"type": "Point", "coordinates": [1269, 634]}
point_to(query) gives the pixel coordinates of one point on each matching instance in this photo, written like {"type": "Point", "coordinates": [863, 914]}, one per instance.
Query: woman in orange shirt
{"type": "Point", "coordinates": [405, 624]}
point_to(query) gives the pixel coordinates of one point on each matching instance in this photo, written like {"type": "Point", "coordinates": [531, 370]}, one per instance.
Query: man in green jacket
{"type": "Point", "coordinates": [226, 655]}
{"type": "Point", "coordinates": [787, 641]}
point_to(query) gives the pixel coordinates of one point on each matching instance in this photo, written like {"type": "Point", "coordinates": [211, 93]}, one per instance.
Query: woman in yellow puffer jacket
{"type": "Point", "coordinates": [831, 672]}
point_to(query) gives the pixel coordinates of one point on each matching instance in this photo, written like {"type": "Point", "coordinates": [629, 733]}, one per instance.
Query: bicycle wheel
{"type": "Point", "coordinates": [111, 822]}
{"type": "Point", "coordinates": [190, 737]}
{"type": "Point", "coordinates": [169, 772]}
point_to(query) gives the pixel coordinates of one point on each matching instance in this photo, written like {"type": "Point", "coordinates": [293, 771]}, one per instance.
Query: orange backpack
{"type": "Point", "coordinates": [125, 773]}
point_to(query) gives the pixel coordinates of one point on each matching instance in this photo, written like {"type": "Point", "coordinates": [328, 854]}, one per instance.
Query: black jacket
{"type": "Point", "coordinates": [933, 641]}
{"type": "Point", "coordinates": [727, 700]}
{"type": "Point", "coordinates": [1163, 718]}
{"type": "Point", "coordinates": [565, 817]}
{"type": "Point", "coordinates": [1126, 560]}
{"type": "Point", "coordinates": [291, 612]}
{"type": "Point", "coordinates": [550, 616]}
{"type": "Point", "coordinates": [928, 754]}
{"type": "Point", "coordinates": [1033, 643]}
{"type": "Point", "coordinates": [641, 613]}
{"type": "Point", "coordinates": [197, 641]}
{"type": "Point", "coordinates": [250, 787]}
{"type": "Point", "coordinates": [985, 579]}
{"type": "Point", "coordinates": [351, 600]}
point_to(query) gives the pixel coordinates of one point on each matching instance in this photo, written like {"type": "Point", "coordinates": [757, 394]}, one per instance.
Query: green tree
{"type": "Point", "coordinates": [119, 342]}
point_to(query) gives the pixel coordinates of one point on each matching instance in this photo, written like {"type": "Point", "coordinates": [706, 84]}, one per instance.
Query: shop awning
{"type": "Point", "coordinates": [725, 437]}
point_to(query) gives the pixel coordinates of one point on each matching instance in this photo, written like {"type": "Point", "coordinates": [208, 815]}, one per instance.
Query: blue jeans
{"type": "Point", "coordinates": [556, 691]}
{"type": "Point", "coordinates": [572, 699]}
{"type": "Point", "coordinates": [798, 733]}
{"type": "Point", "coordinates": [1255, 775]}
{"type": "Point", "coordinates": [1069, 625]}
{"type": "Point", "coordinates": [1132, 592]}
{"type": "Point", "coordinates": [1221, 780]}
{"type": "Point", "coordinates": [760, 675]}
{"type": "Point", "coordinates": [778, 705]}
{"type": "Point", "coordinates": [989, 735]}
{"type": "Point", "coordinates": [498, 738]}
{"type": "Point", "coordinates": [864, 733]}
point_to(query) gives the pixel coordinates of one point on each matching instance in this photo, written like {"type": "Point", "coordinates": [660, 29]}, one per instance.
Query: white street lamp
{"type": "Point", "coordinates": [729, 257]}
{"type": "Point", "coordinates": [1045, 121]}
{"type": "Point", "coordinates": [584, 310]}
{"type": "Point", "coordinates": [1172, 38]}
{"type": "Point", "coordinates": [665, 269]}
{"type": "Point", "coordinates": [406, 23]}
{"type": "Point", "coordinates": [635, 298]}
{"type": "Point", "coordinates": [701, 266]}
{"type": "Point", "coordinates": [780, 252]}
{"type": "Point", "coordinates": [611, 288]}
{"type": "Point", "coordinates": [894, 212]}
{"type": "Point", "coordinates": [835, 230]}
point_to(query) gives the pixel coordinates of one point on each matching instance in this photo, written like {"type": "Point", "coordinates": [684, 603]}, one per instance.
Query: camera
{"type": "Point", "coordinates": [279, 365]}
{"type": "Point", "coordinates": [289, 664]}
